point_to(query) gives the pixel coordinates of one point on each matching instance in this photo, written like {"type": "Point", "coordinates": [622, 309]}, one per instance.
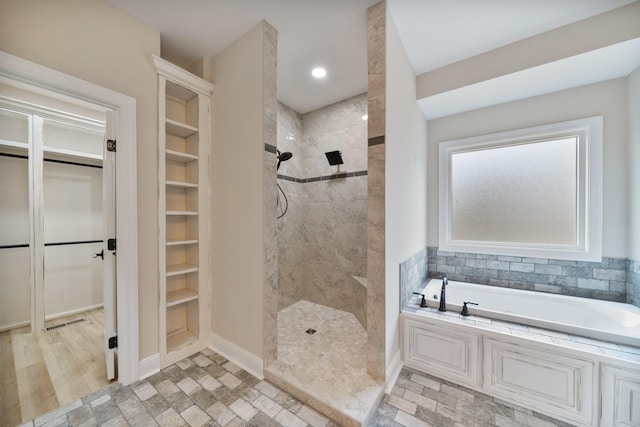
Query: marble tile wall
{"type": "Point", "coordinates": [633, 282]}
{"type": "Point", "coordinates": [606, 280]}
{"type": "Point", "coordinates": [376, 69]}
{"type": "Point", "coordinates": [322, 237]}
{"type": "Point", "coordinates": [413, 276]}
{"type": "Point", "coordinates": [270, 279]}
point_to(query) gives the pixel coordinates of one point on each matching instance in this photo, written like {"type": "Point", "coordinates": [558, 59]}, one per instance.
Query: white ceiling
{"type": "Point", "coordinates": [332, 33]}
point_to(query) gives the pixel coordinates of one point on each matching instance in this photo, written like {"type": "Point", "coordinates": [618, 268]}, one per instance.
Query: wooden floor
{"type": "Point", "coordinates": [42, 371]}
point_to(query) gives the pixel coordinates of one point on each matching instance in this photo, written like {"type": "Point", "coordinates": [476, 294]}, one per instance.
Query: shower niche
{"type": "Point", "coordinates": [183, 214]}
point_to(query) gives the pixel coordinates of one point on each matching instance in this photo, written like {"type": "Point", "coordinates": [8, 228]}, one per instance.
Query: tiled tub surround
{"type": "Point", "coordinates": [322, 238]}
{"type": "Point", "coordinates": [633, 282]}
{"type": "Point", "coordinates": [606, 280]}
{"type": "Point", "coordinates": [413, 275]}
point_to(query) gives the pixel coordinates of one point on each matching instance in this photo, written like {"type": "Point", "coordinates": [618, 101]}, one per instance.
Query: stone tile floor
{"type": "Point", "coordinates": [208, 390]}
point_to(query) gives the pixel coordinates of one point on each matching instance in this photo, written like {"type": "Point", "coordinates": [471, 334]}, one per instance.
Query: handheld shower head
{"type": "Point", "coordinates": [283, 157]}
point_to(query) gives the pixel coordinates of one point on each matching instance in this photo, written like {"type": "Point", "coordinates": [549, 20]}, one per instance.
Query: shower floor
{"type": "Point", "coordinates": [328, 368]}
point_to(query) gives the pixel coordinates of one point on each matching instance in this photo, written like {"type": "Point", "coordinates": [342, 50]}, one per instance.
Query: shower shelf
{"type": "Point", "coordinates": [179, 156]}
{"type": "Point", "coordinates": [182, 130]}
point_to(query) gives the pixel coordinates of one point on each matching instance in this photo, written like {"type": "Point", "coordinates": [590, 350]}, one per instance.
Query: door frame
{"type": "Point", "coordinates": [124, 108]}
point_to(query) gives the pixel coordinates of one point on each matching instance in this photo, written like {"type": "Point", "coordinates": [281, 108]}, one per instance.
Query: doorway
{"type": "Point", "coordinates": [120, 111]}
{"type": "Point", "coordinates": [56, 212]}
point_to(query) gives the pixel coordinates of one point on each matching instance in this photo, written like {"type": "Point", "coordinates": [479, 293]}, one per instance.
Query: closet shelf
{"type": "Point", "coordinates": [181, 242]}
{"type": "Point", "coordinates": [181, 184]}
{"type": "Point", "coordinates": [21, 146]}
{"type": "Point", "coordinates": [182, 213]}
{"type": "Point", "coordinates": [178, 269]}
{"type": "Point", "coordinates": [178, 156]}
{"type": "Point", "coordinates": [180, 340]}
{"type": "Point", "coordinates": [180, 129]}
{"type": "Point", "coordinates": [180, 297]}
{"type": "Point", "coordinates": [64, 154]}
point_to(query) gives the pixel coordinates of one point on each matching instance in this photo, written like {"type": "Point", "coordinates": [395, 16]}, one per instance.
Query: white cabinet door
{"type": "Point", "coordinates": [445, 352]}
{"type": "Point", "coordinates": [620, 396]}
{"type": "Point", "coordinates": [557, 384]}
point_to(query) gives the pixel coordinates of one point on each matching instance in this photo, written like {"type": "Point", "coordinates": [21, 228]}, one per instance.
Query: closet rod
{"type": "Point", "coordinates": [66, 162]}
{"type": "Point", "coordinates": [77, 242]}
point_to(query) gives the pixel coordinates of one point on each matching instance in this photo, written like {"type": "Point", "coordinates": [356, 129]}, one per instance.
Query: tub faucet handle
{"type": "Point", "coordinates": [465, 310]}
{"type": "Point", "coordinates": [423, 303]}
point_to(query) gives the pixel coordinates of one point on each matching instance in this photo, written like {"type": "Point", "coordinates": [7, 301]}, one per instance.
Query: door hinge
{"type": "Point", "coordinates": [111, 145]}
{"type": "Point", "coordinates": [113, 342]}
{"type": "Point", "coordinates": [111, 244]}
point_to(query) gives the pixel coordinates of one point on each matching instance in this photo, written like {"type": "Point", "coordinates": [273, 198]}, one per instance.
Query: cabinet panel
{"type": "Point", "coordinates": [558, 384]}
{"type": "Point", "coordinates": [448, 353]}
{"type": "Point", "coordinates": [620, 396]}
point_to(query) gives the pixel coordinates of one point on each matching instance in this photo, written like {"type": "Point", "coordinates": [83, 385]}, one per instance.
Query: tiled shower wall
{"type": "Point", "coordinates": [613, 279]}
{"type": "Point", "coordinates": [323, 236]}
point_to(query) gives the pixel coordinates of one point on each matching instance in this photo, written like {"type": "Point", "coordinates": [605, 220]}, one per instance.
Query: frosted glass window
{"type": "Point", "coordinates": [534, 192]}
{"type": "Point", "coordinates": [520, 193]}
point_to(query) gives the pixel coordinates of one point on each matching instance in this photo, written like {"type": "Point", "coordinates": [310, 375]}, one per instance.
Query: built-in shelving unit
{"type": "Point", "coordinates": [183, 214]}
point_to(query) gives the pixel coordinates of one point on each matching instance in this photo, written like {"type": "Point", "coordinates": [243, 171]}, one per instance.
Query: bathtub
{"type": "Point", "coordinates": [603, 320]}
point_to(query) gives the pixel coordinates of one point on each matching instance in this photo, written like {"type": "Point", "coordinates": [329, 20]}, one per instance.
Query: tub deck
{"type": "Point", "coordinates": [576, 342]}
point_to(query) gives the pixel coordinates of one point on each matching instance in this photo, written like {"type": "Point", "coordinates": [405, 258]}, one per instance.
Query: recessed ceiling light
{"type": "Point", "coordinates": [319, 72]}
{"type": "Point", "coordinates": [365, 117]}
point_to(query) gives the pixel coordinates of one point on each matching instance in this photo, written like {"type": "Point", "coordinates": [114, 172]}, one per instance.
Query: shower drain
{"type": "Point", "coordinates": [311, 331]}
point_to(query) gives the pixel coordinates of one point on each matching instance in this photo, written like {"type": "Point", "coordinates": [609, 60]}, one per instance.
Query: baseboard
{"type": "Point", "coordinates": [236, 354]}
{"type": "Point", "coordinates": [149, 366]}
{"type": "Point", "coordinates": [14, 326]}
{"type": "Point", "coordinates": [72, 312]}
{"type": "Point", "coordinates": [393, 371]}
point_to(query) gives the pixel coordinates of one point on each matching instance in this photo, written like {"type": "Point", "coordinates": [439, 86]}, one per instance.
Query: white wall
{"type": "Point", "coordinates": [607, 98]}
{"type": "Point", "coordinates": [95, 41]}
{"type": "Point", "coordinates": [237, 183]}
{"type": "Point", "coordinates": [633, 158]}
{"type": "Point", "coordinates": [405, 177]}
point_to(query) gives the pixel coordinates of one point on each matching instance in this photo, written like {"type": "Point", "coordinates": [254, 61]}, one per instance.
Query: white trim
{"type": "Point", "coordinates": [72, 312]}
{"type": "Point", "coordinates": [124, 108]}
{"type": "Point", "coordinates": [589, 207]}
{"type": "Point", "coordinates": [14, 326]}
{"type": "Point", "coordinates": [149, 366]}
{"type": "Point", "coordinates": [238, 355]}
{"type": "Point", "coordinates": [176, 74]}
{"type": "Point", "coordinates": [393, 371]}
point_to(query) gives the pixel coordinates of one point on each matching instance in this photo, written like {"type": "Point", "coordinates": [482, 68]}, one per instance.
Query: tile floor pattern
{"type": "Point", "coordinates": [208, 390]}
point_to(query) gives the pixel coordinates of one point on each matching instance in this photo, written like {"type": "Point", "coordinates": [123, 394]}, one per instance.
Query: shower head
{"type": "Point", "coordinates": [283, 157]}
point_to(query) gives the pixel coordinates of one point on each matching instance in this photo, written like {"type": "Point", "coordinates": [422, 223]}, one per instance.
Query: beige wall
{"type": "Point", "coordinates": [95, 41]}
{"type": "Point", "coordinates": [633, 158]}
{"type": "Point", "coordinates": [607, 98]}
{"type": "Point", "coordinates": [237, 181]}
{"type": "Point", "coordinates": [405, 180]}
{"type": "Point", "coordinates": [599, 31]}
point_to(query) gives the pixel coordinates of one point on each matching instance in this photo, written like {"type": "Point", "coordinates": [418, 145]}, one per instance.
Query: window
{"type": "Point", "coordinates": [531, 192]}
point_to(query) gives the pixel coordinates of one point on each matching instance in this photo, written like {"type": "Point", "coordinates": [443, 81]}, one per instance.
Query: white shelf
{"type": "Point", "coordinates": [180, 297]}
{"type": "Point", "coordinates": [180, 129]}
{"type": "Point", "coordinates": [14, 144]}
{"type": "Point", "coordinates": [181, 242]}
{"type": "Point", "coordinates": [64, 154]}
{"type": "Point", "coordinates": [182, 213]}
{"type": "Point", "coordinates": [180, 340]}
{"type": "Point", "coordinates": [178, 156]}
{"type": "Point", "coordinates": [178, 269]}
{"type": "Point", "coordinates": [181, 184]}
